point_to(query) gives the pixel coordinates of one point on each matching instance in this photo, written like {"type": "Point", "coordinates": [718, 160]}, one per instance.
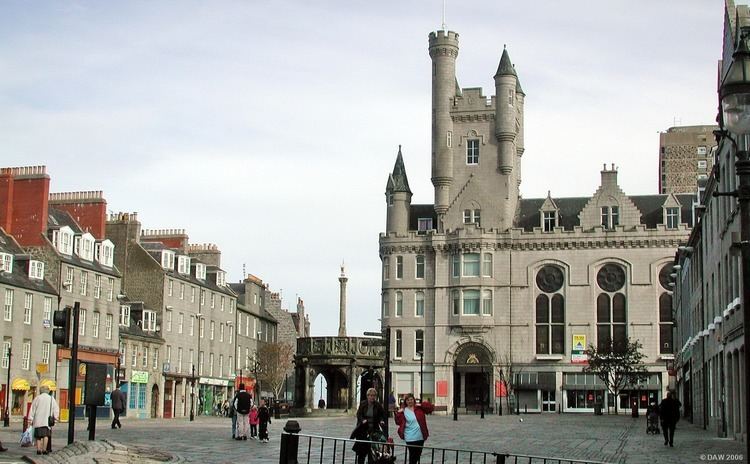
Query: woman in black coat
{"type": "Point", "coordinates": [370, 416]}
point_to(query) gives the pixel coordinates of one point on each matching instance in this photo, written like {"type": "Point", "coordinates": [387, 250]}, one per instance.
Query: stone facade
{"type": "Point", "coordinates": [708, 306]}
{"type": "Point", "coordinates": [685, 157]}
{"type": "Point", "coordinates": [485, 287]}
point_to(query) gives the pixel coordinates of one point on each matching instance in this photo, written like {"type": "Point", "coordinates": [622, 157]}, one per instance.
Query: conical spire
{"type": "Point", "coordinates": [506, 67]}
{"type": "Point", "coordinates": [398, 182]}
{"type": "Point", "coordinates": [518, 84]}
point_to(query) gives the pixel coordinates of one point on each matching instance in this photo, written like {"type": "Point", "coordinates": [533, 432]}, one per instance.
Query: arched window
{"type": "Point", "coordinates": [385, 305]}
{"type": "Point", "coordinates": [611, 309]}
{"type": "Point", "coordinates": [550, 311]}
{"type": "Point", "coordinates": [399, 345]}
{"type": "Point", "coordinates": [666, 324]}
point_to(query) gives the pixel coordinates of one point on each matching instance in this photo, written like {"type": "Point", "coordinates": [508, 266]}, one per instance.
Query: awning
{"type": "Point", "coordinates": [20, 384]}
{"type": "Point", "coordinates": [48, 383]}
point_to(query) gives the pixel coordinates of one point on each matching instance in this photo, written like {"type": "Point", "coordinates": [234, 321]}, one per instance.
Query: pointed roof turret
{"type": "Point", "coordinates": [397, 181]}
{"type": "Point", "coordinates": [518, 84]}
{"type": "Point", "coordinates": [506, 67]}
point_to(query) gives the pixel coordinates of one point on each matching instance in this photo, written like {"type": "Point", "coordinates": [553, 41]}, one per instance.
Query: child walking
{"type": "Point", "coordinates": [264, 418]}
{"type": "Point", "coordinates": [254, 422]}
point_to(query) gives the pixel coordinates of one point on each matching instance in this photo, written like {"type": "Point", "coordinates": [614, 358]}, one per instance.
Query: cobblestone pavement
{"type": "Point", "coordinates": [208, 440]}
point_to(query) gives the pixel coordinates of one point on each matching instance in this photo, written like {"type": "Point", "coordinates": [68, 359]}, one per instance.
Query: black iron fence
{"type": "Point", "coordinates": [298, 448]}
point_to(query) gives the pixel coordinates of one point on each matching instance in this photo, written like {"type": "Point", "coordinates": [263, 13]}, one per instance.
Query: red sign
{"type": "Point", "coordinates": [501, 389]}
{"type": "Point", "coordinates": [442, 388]}
{"type": "Point", "coordinates": [249, 383]}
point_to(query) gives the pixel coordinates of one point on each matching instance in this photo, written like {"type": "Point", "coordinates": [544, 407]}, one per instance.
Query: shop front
{"type": "Point", "coordinates": [582, 392]}
{"type": "Point", "coordinates": [136, 393]}
{"type": "Point", "coordinates": [212, 393]}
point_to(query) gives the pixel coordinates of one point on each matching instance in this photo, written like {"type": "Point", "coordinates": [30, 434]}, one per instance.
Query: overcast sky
{"type": "Point", "coordinates": [269, 127]}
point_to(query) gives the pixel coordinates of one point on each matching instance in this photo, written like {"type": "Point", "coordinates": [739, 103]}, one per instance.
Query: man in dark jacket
{"type": "Point", "coordinates": [669, 413]}
{"type": "Point", "coordinates": [118, 406]}
{"type": "Point", "coordinates": [242, 404]}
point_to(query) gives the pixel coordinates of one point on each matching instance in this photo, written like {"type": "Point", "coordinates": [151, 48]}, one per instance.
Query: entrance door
{"type": "Point", "coordinates": [548, 401]}
{"type": "Point", "coordinates": [168, 399]}
{"type": "Point", "coordinates": [154, 401]}
{"type": "Point", "coordinates": [476, 388]}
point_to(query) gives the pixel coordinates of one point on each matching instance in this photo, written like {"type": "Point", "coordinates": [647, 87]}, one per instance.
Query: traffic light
{"type": "Point", "coordinates": [61, 332]}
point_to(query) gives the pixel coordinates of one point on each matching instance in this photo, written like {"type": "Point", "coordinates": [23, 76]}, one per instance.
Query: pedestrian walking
{"type": "Point", "coordinates": [669, 413]}
{"type": "Point", "coordinates": [254, 422]}
{"type": "Point", "coordinates": [233, 415]}
{"type": "Point", "coordinates": [371, 417]}
{"type": "Point", "coordinates": [412, 425]}
{"type": "Point", "coordinates": [242, 404]}
{"type": "Point", "coordinates": [117, 398]}
{"type": "Point", "coordinates": [264, 418]}
{"type": "Point", "coordinates": [44, 413]}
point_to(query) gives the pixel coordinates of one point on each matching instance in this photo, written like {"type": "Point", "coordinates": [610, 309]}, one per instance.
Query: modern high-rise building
{"type": "Point", "coordinates": [685, 157]}
{"type": "Point", "coordinates": [490, 292]}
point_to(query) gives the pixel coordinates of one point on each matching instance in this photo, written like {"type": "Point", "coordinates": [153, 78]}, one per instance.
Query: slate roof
{"type": "Point", "coordinates": [506, 67]}
{"type": "Point", "coordinates": [397, 181]}
{"type": "Point", "coordinates": [650, 207]}
{"type": "Point", "coordinates": [58, 219]}
{"type": "Point", "coordinates": [19, 278]}
{"type": "Point", "coordinates": [135, 330]}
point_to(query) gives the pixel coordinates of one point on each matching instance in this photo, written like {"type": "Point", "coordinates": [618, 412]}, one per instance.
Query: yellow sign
{"type": "Point", "coordinates": [42, 368]}
{"type": "Point", "coordinates": [139, 377]}
{"type": "Point", "coordinates": [579, 343]}
{"type": "Point", "coordinates": [82, 369]}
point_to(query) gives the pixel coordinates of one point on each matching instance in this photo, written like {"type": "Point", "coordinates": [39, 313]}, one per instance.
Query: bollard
{"type": "Point", "coordinates": [455, 413]}
{"type": "Point", "coordinates": [289, 443]}
{"type": "Point", "coordinates": [525, 408]}
{"type": "Point", "coordinates": [277, 411]}
{"type": "Point", "coordinates": [500, 459]}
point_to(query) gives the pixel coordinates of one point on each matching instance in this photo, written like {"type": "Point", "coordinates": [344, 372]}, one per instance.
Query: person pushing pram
{"type": "Point", "coordinates": [652, 419]}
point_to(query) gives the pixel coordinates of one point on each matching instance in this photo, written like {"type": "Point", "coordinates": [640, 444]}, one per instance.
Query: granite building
{"type": "Point", "coordinates": [685, 157]}
{"type": "Point", "coordinates": [487, 287]}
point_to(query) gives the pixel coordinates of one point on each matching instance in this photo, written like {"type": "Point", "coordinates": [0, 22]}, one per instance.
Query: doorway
{"type": "Point", "coordinates": [549, 404]}
{"type": "Point", "coordinates": [154, 401]}
{"type": "Point", "coordinates": [477, 390]}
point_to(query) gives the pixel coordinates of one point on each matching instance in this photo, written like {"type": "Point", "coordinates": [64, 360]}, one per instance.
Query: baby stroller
{"type": "Point", "coordinates": [382, 450]}
{"type": "Point", "coordinates": [652, 422]}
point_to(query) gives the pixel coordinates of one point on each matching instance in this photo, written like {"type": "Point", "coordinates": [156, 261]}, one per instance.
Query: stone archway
{"type": "Point", "coordinates": [370, 378]}
{"type": "Point", "coordinates": [472, 375]}
{"type": "Point", "coordinates": [154, 401]}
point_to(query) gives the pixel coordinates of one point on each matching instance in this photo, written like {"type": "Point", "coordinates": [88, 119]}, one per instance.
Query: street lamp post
{"type": "Point", "coordinates": [421, 373]}
{"type": "Point", "coordinates": [481, 393]}
{"type": "Point", "coordinates": [6, 413]}
{"type": "Point", "coordinates": [199, 318]}
{"type": "Point", "coordinates": [734, 114]}
{"type": "Point", "coordinates": [455, 389]}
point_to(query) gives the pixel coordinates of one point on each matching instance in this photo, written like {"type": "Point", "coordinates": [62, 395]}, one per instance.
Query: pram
{"type": "Point", "coordinates": [652, 423]}
{"type": "Point", "coordinates": [382, 450]}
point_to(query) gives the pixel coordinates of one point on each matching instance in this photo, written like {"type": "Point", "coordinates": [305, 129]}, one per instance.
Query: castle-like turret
{"type": "Point", "coordinates": [506, 83]}
{"type": "Point", "coordinates": [443, 51]}
{"type": "Point", "coordinates": [398, 197]}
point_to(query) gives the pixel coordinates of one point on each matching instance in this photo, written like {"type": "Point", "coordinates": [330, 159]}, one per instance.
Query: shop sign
{"type": "Point", "coordinates": [578, 353]}
{"type": "Point", "coordinates": [139, 377]}
{"type": "Point", "coordinates": [217, 382]}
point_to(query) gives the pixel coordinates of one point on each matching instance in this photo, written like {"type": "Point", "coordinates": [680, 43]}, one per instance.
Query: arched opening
{"type": "Point", "coordinates": [154, 401]}
{"type": "Point", "coordinates": [472, 376]}
{"type": "Point", "coordinates": [331, 389]}
{"type": "Point", "coordinates": [320, 391]}
{"type": "Point", "coordinates": [370, 379]}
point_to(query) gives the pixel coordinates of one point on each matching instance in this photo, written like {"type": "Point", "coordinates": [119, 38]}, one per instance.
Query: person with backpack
{"type": "Point", "coordinates": [242, 404]}
{"type": "Point", "coordinates": [264, 418]}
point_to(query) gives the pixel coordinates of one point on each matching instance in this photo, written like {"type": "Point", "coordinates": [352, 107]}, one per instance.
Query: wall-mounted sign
{"type": "Point", "coordinates": [139, 377]}
{"type": "Point", "coordinates": [578, 352]}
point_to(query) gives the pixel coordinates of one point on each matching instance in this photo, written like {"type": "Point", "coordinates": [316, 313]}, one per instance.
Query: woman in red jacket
{"type": "Point", "coordinates": [412, 425]}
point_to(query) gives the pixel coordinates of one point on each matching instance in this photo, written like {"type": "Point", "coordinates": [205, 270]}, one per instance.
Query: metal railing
{"type": "Point", "coordinates": [297, 448]}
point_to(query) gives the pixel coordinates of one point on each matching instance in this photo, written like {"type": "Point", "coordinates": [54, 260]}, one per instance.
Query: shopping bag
{"type": "Point", "coordinates": [27, 437]}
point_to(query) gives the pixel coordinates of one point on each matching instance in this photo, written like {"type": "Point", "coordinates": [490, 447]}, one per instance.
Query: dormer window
{"type": "Point", "coordinates": [200, 271]}
{"type": "Point", "coordinates": [63, 240]}
{"type": "Point", "coordinates": [6, 262]}
{"type": "Point", "coordinates": [221, 278]}
{"type": "Point", "coordinates": [106, 253]}
{"type": "Point", "coordinates": [423, 225]}
{"type": "Point", "coordinates": [36, 270]}
{"type": "Point", "coordinates": [549, 220]}
{"type": "Point", "coordinates": [183, 264]}
{"type": "Point", "coordinates": [672, 217]}
{"type": "Point", "coordinates": [149, 321]}
{"type": "Point", "coordinates": [125, 316]}
{"type": "Point", "coordinates": [610, 217]}
{"type": "Point", "coordinates": [167, 259]}
{"type": "Point", "coordinates": [85, 247]}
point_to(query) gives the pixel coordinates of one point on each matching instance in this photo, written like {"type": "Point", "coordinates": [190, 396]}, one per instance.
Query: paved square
{"type": "Point", "coordinates": [602, 438]}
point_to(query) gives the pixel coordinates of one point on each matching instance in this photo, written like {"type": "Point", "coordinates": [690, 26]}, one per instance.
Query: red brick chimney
{"type": "Point", "coordinates": [25, 190]}
{"type": "Point", "coordinates": [6, 199]}
{"type": "Point", "coordinates": [89, 209]}
{"type": "Point", "coordinates": [171, 238]}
